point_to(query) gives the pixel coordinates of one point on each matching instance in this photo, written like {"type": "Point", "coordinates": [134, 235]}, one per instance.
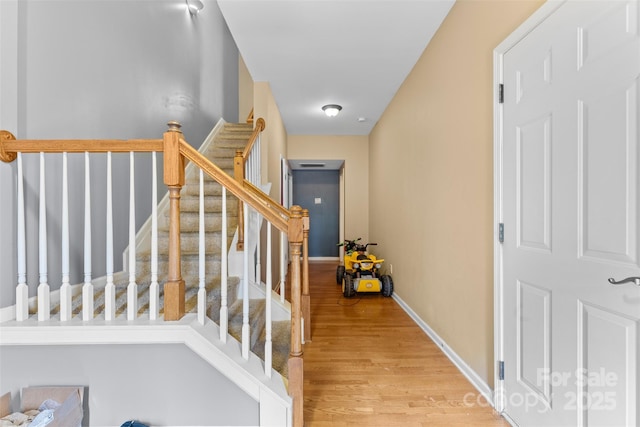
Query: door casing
{"type": "Point", "coordinates": [514, 38]}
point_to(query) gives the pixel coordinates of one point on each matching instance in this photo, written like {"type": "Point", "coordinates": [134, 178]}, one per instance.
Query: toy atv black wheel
{"type": "Point", "coordinates": [387, 285]}
{"type": "Point", "coordinates": [339, 274]}
{"type": "Point", "coordinates": [347, 286]}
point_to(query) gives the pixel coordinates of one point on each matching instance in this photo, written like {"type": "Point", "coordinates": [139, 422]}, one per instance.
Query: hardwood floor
{"type": "Point", "coordinates": [369, 364]}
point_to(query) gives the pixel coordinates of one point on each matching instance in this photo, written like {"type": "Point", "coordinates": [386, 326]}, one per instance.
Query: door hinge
{"type": "Point", "coordinates": [501, 370]}
{"type": "Point", "coordinates": [501, 93]}
{"type": "Point", "coordinates": [501, 232]}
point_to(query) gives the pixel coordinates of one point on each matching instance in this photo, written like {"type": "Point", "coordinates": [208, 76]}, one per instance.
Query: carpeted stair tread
{"type": "Point", "coordinates": [281, 345]}
{"type": "Point", "coordinates": [256, 308]}
{"type": "Point", "coordinates": [212, 287]}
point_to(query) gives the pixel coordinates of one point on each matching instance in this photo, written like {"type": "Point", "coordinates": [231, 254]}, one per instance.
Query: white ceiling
{"type": "Point", "coordinates": [355, 53]}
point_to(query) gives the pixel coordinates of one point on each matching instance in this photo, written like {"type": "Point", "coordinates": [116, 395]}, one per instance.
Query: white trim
{"type": "Point", "coordinates": [475, 379]}
{"type": "Point", "coordinates": [498, 325]}
{"type": "Point", "coordinates": [343, 204]}
{"type": "Point", "coordinates": [248, 375]}
{"type": "Point", "coordinates": [7, 313]}
{"type": "Point", "coordinates": [498, 311]}
{"type": "Point", "coordinates": [324, 258]}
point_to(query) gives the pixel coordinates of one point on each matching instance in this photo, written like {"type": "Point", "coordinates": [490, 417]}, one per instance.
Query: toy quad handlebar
{"type": "Point", "coordinates": [348, 243]}
{"type": "Point", "coordinates": [351, 246]}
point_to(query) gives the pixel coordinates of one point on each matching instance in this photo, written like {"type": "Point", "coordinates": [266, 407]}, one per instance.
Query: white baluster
{"type": "Point", "coordinates": [268, 346]}
{"type": "Point", "coordinates": [224, 311]}
{"type": "Point", "coordinates": [44, 302]}
{"type": "Point", "coordinates": [22, 290]}
{"type": "Point", "coordinates": [87, 288]}
{"type": "Point", "coordinates": [65, 288]}
{"type": "Point", "coordinates": [154, 287]}
{"type": "Point", "coordinates": [258, 170]}
{"type": "Point", "coordinates": [245, 286]}
{"type": "Point", "coordinates": [283, 265]}
{"type": "Point", "coordinates": [256, 162]}
{"type": "Point", "coordinates": [258, 253]}
{"type": "Point", "coordinates": [252, 165]}
{"type": "Point", "coordinates": [202, 293]}
{"type": "Point", "coordinates": [110, 288]}
{"type": "Point", "coordinates": [132, 289]}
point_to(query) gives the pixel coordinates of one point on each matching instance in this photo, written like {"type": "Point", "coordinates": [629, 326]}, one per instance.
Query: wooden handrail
{"type": "Point", "coordinates": [260, 125]}
{"type": "Point", "coordinates": [234, 187]}
{"type": "Point", "coordinates": [239, 173]}
{"type": "Point", "coordinates": [250, 116]}
{"type": "Point", "coordinates": [10, 146]}
{"type": "Point", "coordinates": [266, 200]}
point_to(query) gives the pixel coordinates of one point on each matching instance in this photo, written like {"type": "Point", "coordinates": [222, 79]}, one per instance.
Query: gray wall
{"type": "Point", "coordinates": [103, 69]}
{"type": "Point", "coordinates": [162, 385]}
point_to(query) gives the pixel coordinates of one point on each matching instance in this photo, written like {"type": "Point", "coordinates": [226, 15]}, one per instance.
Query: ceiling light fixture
{"type": "Point", "coordinates": [194, 6]}
{"type": "Point", "coordinates": [331, 110]}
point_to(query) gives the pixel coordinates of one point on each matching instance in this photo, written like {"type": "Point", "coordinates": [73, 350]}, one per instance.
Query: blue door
{"type": "Point", "coordinates": [319, 192]}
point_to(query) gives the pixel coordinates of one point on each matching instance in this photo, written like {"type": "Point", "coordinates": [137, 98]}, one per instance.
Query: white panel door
{"type": "Point", "coordinates": [571, 209]}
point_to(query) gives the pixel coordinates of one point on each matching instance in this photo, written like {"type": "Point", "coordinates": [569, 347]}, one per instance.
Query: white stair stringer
{"type": "Point", "coordinates": [274, 402]}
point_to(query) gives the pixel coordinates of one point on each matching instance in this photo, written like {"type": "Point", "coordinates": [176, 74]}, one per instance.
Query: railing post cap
{"type": "Point", "coordinates": [296, 211]}
{"type": "Point", "coordinates": [5, 135]}
{"type": "Point", "coordinates": [174, 126]}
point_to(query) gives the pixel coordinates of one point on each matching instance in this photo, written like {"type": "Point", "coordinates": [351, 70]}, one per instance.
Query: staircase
{"type": "Point", "coordinates": [231, 138]}
{"type": "Point", "coordinates": [26, 323]}
{"type": "Point", "coordinates": [221, 152]}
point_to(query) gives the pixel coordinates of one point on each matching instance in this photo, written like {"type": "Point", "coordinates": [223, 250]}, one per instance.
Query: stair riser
{"type": "Point", "coordinates": [190, 222]}
{"type": "Point", "coordinates": [190, 269]}
{"type": "Point", "coordinates": [190, 243]}
{"type": "Point", "coordinates": [227, 152]}
{"type": "Point", "coordinates": [212, 204]}
{"type": "Point", "coordinates": [193, 189]}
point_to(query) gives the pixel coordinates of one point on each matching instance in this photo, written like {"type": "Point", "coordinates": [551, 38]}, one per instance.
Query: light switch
{"type": "Point", "coordinates": [318, 201]}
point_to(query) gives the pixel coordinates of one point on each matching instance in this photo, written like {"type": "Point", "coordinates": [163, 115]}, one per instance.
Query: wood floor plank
{"type": "Point", "coordinates": [369, 364]}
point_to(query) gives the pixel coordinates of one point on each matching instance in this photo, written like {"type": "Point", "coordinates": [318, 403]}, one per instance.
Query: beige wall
{"type": "Point", "coordinates": [274, 137]}
{"type": "Point", "coordinates": [245, 91]}
{"type": "Point", "coordinates": [432, 153]}
{"type": "Point", "coordinates": [258, 95]}
{"type": "Point", "coordinates": [354, 150]}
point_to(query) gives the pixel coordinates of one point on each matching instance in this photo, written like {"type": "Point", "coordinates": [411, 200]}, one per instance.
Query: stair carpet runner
{"type": "Point", "coordinates": [233, 137]}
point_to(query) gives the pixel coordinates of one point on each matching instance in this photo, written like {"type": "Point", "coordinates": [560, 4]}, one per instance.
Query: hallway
{"type": "Point", "coordinates": [369, 364]}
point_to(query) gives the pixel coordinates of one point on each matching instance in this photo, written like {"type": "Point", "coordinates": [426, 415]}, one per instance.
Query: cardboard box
{"type": "Point", "coordinates": [69, 414]}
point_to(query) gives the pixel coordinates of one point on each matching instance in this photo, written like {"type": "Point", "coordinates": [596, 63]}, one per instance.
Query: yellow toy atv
{"type": "Point", "coordinates": [360, 272]}
{"type": "Point", "coordinates": [349, 247]}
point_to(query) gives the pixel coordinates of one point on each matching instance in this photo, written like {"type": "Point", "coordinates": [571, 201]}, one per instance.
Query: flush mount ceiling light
{"type": "Point", "coordinates": [331, 110]}
{"type": "Point", "coordinates": [194, 6]}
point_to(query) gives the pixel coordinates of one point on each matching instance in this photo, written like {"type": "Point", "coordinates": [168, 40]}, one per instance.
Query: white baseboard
{"type": "Point", "coordinates": [323, 258]}
{"type": "Point", "coordinates": [482, 387]}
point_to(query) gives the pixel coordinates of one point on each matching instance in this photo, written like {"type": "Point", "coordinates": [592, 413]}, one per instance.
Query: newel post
{"type": "Point", "coordinates": [174, 179]}
{"type": "Point", "coordinates": [238, 174]}
{"type": "Point", "coordinates": [296, 371]}
{"type": "Point", "coordinates": [306, 297]}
